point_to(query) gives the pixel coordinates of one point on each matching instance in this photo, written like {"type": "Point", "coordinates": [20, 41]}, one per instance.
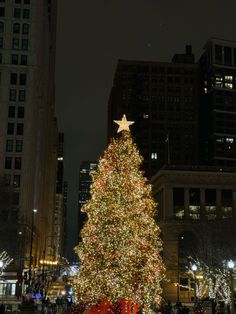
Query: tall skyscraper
{"type": "Point", "coordinates": [162, 99]}
{"type": "Point", "coordinates": [218, 112]}
{"type": "Point", "coordinates": [85, 181]}
{"type": "Point", "coordinates": [28, 145]}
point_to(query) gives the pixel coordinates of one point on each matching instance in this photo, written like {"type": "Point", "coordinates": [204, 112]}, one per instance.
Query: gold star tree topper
{"type": "Point", "coordinates": [123, 124]}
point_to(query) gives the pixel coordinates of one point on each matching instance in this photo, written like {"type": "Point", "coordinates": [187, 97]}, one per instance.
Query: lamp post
{"type": "Point", "coordinates": [231, 265]}
{"type": "Point", "coordinates": [194, 269]}
{"type": "Point", "coordinates": [34, 211]}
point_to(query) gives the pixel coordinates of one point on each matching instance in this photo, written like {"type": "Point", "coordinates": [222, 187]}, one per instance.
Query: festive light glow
{"type": "Point", "coordinates": [212, 281]}
{"type": "Point", "coordinates": [120, 249]}
{"type": "Point", "coordinates": [123, 124]}
{"type": "Point", "coordinates": [5, 260]}
{"type": "Point", "coordinates": [47, 262]}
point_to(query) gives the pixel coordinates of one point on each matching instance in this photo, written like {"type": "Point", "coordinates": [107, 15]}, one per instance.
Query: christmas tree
{"type": "Point", "coordinates": [120, 248]}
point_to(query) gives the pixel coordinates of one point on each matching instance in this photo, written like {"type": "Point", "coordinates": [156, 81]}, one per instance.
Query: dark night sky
{"type": "Point", "coordinates": [92, 36]}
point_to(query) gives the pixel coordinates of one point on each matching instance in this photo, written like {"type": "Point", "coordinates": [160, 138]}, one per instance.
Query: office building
{"type": "Point", "coordinates": [218, 113]}
{"type": "Point", "coordinates": [28, 143]}
{"type": "Point", "coordinates": [196, 214]}
{"type": "Point", "coordinates": [162, 99]}
{"type": "Point", "coordinates": [85, 181]}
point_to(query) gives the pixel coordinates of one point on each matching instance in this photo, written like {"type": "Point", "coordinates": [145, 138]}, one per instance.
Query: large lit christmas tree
{"type": "Point", "coordinates": [120, 249]}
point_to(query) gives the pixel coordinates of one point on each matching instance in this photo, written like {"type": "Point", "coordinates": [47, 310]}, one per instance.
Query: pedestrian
{"type": "Point", "coordinates": [2, 309]}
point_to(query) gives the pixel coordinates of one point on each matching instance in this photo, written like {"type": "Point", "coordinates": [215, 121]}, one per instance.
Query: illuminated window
{"type": "Point", "coordinates": [229, 140]}
{"type": "Point", "coordinates": [220, 140]}
{"type": "Point", "coordinates": [145, 116]}
{"type": "Point", "coordinates": [229, 85]}
{"type": "Point", "coordinates": [229, 78]}
{"type": "Point", "coordinates": [205, 90]}
{"type": "Point", "coordinates": [154, 156]}
{"type": "Point", "coordinates": [9, 146]}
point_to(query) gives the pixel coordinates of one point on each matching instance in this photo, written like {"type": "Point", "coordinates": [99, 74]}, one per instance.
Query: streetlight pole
{"type": "Point", "coordinates": [231, 265]}
{"type": "Point", "coordinates": [34, 211]}
{"type": "Point", "coordinates": [194, 269]}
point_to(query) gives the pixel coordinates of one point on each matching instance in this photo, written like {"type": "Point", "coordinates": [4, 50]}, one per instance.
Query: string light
{"type": "Point", "coordinates": [120, 249]}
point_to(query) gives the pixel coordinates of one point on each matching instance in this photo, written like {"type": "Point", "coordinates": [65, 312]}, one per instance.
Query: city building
{"type": "Point", "coordinates": [163, 100]}
{"type": "Point", "coordinates": [218, 94]}
{"type": "Point", "coordinates": [85, 181]}
{"type": "Point", "coordinates": [28, 137]}
{"type": "Point", "coordinates": [197, 215]}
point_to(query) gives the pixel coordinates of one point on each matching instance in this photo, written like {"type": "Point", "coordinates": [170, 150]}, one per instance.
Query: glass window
{"type": "Point", "coordinates": [26, 1]}
{"type": "Point", "coordinates": [9, 146]}
{"type": "Point", "coordinates": [2, 11]}
{"type": "Point", "coordinates": [210, 203]}
{"type": "Point", "coordinates": [21, 112]}
{"type": "Point", "coordinates": [26, 13]}
{"type": "Point", "coordinates": [2, 0]}
{"type": "Point", "coordinates": [235, 57]}
{"type": "Point", "coordinates": [13, 79]}
{"type": "Point", "coordinates": [11, 112]}
{"type": "Point", "coordinates": [23, 60]}
{"type": "Point", "coordinates": [21, 95]}
{"type": "Point", "coordinates": [16, 28]}
{"type": "Point", "coordinates": [7, 179]}
{"type": "Point", "coordinates": [226, 203]}
{"type": "Point", "coordinates": [19, 146]}
{"type": "Point", "coordinates": [0, 58]}
{"type": "Point", "coordinates": [24, 44]}
{"type": "Point", "coordinates": [10, 128]}
{"type": "Point", "coordinates": [18, 1]}
{"type": "Point", "coordinates": [17, 12]}
{"type": "Point", "coordinates": [20, 129]}
{"type": "Point", "coordinates": [25, 29]}
{"type": "Point", "coordinates": [16, 180]}
{"type": "Point", "coordinates": [12, 96]}
{"type": "Point", "coordinates": [22, 79]}
{"type": "Point", "coordinates": [227, 56]}
{"type": "Point", "coordinates": [8, 162]}
{"type": "Point", "coordinates": [18, 163]}
{"type": "Point", "coordinates": [178, 202]}
{"type": "Point", "coordinates": [14, 59]}
{"type": "Point", "coordinates": [194, 203]}
{"type": "Point", "coordinates": [15, 43]}
{"type": "Point", "coordinates": [1, 42]}
{"type": "Point", "coordinates": [218, 54]}
{"type": "Point", "coordinates": [1, 27]}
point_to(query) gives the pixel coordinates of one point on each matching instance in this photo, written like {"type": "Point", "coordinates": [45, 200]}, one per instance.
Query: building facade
{"type": "Point", "coordinates": [218, 93]}
{"type": "Point", "coordinates": [197, 216]}
{"type": "Point", "coordinates": [163, 100]}
{"type": "Point", "coordinates": [28, 138]}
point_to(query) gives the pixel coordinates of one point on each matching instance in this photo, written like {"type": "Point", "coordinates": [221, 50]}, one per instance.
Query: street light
{"type": "Point", "coordinates": [34, 211]}
{"type": "Point", "coordinates": [231, 265]}
{"type": "Point", "coordinates": [194, 269]}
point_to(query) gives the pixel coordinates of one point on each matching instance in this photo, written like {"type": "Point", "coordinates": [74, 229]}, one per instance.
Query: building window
{"type": "Point", "coordinates": [12, 96]}
{"type": "Point", "coordinates": [19, 146]}
{"type": "Point", "coordinates": [17, 12]}
{"type": "Point", "coordinates": [194, 204]}
{"type": "Point", "coordinates": [8, 162]}
{"type": "Point", "coordinates": [1, 42]}
{"type": "Point", "coordinates": [26, 13]}
{"type": "Point", "coordinates": [24, 44]}
{"type": "Point", "coordinates": [210, 203]}
{"type": "Point", "coordinates": [21, 95]}
{"type": "Point", "coordinates": [14, 59]}
{"type": "Point", "coordinates": [26, 1]}
{"type": "Point", "coordinates": [22, 79]}
{"type": "Point", "coordinates": [20, 129]}
{"type": "Point", "coordinates": [1, 27]}
{"type": "Point", "coordinates": [16, 28]}
{"type": "Point", "coordinates": [2, 11]}
{"type": "Point", "coordinates": [10, 128]}
{"type": "Point", "coordinates": [227, 55]}
{"type": "Point", "coordinates": [178, 202]}
{"type": "Point", "coordinates": [15, 43]}
{"type": "Point", "coordinates": [17, 1]}
{"type": "Point", "coordinates": [7, 179]}
{"type": "Point", "coordinates": [9, 146]}
{"type": "Point", "coordinates": [25, 29]}
{"type": "Point", "coordinates": [18, 163]}
{"type": "Point", "coordinates": [21, 112]}
{"type": "Point", "coordinates": [226, 203]}
{"type": "Point", "coordinates": [153, 155]}
{"type": "Point", "coordinates": [13, 79]}
{"type": "Point", "coordinates": [11, 112]}
{"type": "Point", "coordinates": [218, 54]}
{"type": "Point", "coordinates": [23, 60]}
{"type": "Point", "coordinates": [16, 180]}
{"type": "Point", "coordinates": [0, 58]}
